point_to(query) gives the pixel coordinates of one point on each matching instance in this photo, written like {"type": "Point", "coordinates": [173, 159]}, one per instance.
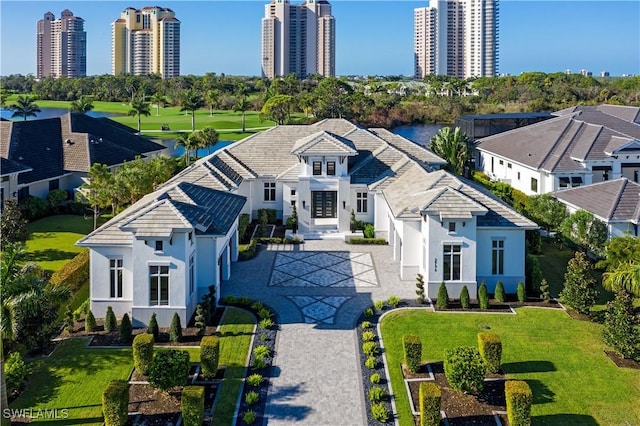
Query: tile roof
{"type": "Point", "coordinates": [323, 143]}
{"type": "Point", "coordinates": [613, 200]}
{"type": "Point", "coordinates": [413, 150]}
{"type": "Point", "coordinates": [9, 167]}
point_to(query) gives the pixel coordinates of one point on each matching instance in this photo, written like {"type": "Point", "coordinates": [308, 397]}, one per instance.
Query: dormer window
{"type": "Point", "coordinates": [317, 168]}
{"type": "Point", "coordinates": [331, 168]}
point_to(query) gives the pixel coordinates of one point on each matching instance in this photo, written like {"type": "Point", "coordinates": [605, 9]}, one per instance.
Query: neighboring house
{"type": "Point", "coordinates": [9, 172]}
{"type": "Point", "coordinates": [60, 151]}
{"type": "Point", "coordinates": [615, 202]}
{"type": "Point", "coordinates": [439, 225]}
{"type": "Point", "coordinates": [582, 145]}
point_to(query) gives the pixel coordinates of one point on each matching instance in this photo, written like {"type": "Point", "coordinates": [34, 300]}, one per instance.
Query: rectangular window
{"type": "Point", "coordinates": [501, 162]}
{"type": "Point", "coordinates": [115, 275]}
{"type": "Point", "coordinates": [508, 165]}
{"type": "Point", "coordinates": [158, 285]}
{"type": "Point", "coordinates": [317, 168]}
{"type": "Point", "coordinates": [331, 168]}
{"type": "Point", "coordinates": [497, 257]}
{"type": "Point", "coordinates": [576, 181]}
{"type": "Point", "coordinates": [293, 192]}
{"type": "Point", "coordinates": [451, 262]}
{"type": "Point", "coordinates": [452, 227]}
{"type": "Point", "coordinates": [518, 175]}
{"type": "Point", "coordinates": [191, 274]}
{"type": "Point", "coordinates": [159, 245]}
{"type": "Point", "coordinates": [269, 191]}
{"type": "Point", "coordinates": [534, 184]}
{"type": "Point", "coordinates": [564, 182]}
{"type": "Point", "coordinates": [361, 202]}
{"type": "Point", "coordinates": [54, 184]}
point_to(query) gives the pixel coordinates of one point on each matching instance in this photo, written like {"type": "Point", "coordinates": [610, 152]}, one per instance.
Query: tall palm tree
{"type": "Point", "coordinates": [192, 101]}
{"type": "Point", "coordinates": [189, 143]}
{"type": "Point", "coordinates": [451, 145]}
{"type": "Point", "coordinates": [625, 277]}
{"type": "Point", "coordinates": [139, 107]}
{"type": "Point", "coordinates": [82, 105]}
{"type": "Point", "coordinates": [243, 105]}
{"type": "Point", "coordinates": [208, 137]}
{"type": "Point", "coordinates": [213, 99]}
{"type": "Point", "coordinates": [157, 99]}
{"type": "Point", "coordinates": [24, 107]}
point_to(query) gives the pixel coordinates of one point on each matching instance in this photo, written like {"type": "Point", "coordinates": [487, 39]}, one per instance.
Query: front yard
{"type": "Point", "coordinates": [562, 359]}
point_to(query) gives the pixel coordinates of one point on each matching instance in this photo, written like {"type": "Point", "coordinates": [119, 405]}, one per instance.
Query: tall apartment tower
{"type": "Point", "coordinates": [298, 39]}
{"type": "Point", "coordinates": [146, 41]}
{"type": "Point", "coordinates": [61, 46]}
{"type": "Point", "coordinates": [458, 38]}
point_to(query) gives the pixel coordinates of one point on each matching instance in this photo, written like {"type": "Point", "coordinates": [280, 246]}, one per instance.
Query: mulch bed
{"type": "Point", "coordinates": [622, 362]}
{"type": "Point", "coordinates": [495, 306]}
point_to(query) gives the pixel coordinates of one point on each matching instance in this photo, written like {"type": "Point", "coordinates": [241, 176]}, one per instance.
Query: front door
{"type": "Point", "coordinates": [324, 204]}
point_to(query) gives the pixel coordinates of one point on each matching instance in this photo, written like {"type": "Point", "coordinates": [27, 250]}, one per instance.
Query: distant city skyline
{"type": "Point", "coordinates": [372, 38]}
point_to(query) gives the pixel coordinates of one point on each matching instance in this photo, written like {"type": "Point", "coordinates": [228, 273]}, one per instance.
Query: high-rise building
{"type": "Point", "coordinates": [458, 38]}
{"type": "Point", "coordinates": [299, 39]}
{"type": "Point", "coordinates": [146, 41]}
{"type": "Point", "coordinates": [61, 46]}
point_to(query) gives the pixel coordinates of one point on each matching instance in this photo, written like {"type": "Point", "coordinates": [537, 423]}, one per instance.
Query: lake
{"type": "Point", "coordinates": [179, 151]}
{"type": "Point", "coordinates": [54, 112]}
{"type": "Point", "coordinates": [418, 133]}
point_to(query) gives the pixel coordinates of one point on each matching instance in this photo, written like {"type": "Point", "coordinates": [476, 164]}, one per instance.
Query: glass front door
{"type": "Point", "coordinates": [324, 204]}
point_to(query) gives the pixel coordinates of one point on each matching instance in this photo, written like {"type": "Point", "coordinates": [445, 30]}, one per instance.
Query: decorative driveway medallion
{"type": "Point", "coordinates": [318, 309]}
{"type": "Point", "coordinates": [323, 269]}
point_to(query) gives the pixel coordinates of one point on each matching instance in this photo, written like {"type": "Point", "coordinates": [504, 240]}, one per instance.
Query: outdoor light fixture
{"type": "Point", "coordinates": [304, 204]}
{"type": "Point", "coordinates": [344, 204]}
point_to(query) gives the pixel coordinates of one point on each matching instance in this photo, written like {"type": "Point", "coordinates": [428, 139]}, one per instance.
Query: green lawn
{"type": "Point", "coordinates": [52, 239]}
{"type": "Point", "coordinates": [562, 359]}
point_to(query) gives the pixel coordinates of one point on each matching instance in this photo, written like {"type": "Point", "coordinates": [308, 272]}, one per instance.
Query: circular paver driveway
{"type": "Point", "coordinates": [318, 289]}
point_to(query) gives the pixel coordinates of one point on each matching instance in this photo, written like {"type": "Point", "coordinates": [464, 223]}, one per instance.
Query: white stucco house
{"type": "Point", "coordinates": [581, 146]}
{"type": "Point", "coordinates": [439, 225]}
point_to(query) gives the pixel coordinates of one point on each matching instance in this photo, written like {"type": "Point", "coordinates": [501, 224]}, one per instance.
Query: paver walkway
{"type": "Point", "coordinates": [318, 289]}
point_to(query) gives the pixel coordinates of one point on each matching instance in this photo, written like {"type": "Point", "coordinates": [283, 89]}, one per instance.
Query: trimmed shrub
{"type": "Point", "coordinates": [126, 329]}
{"type": "Point", "coordinates": [375, 378]}
{"type": "Point", "coordinates": [521, 292]}
{"type": "Point", "coordinates": [153, 326]}
{"type": "Point", "coordinates": [621, 326]}
{"type": "Point", "coordinates": [143, 353]}
{"type": "Point", "coordinates": [490, 348]}
{"type": "Point", "coordinates": [169, 368]}
{"type": "Point", "coordinates": [380, 413]}
{"type": "Point", "coordinates": [249, 417]}
{"type": "Point", "coordinates": [579, 291]}
{"type": "Point", "coordinates": [110, 322]}
{"type": "Point", "coordinates": [266, 323]}
{"type": "Point", "coordinates": [69, 321]}
{"type": "Point", "coordinates": [420, 289]}
{"type": "Point", "coordinates": [544, 290]}
{"type": "Point", "coordinates": [379, 305]}
{"type": "Point", "coordinates": [370, 348]}
{"type": "Point", "coordinates": [90, 322]}
{"type": "Point", "coordinates": [465, 302]}
{"type": "Point", "coordinates": [368, 336]}
{"type": "Point", "coordinates": [443, 297]}
{"type": "Point", "coordinates": [15, 371]}
{"type": "Point", "coordinates": [243, 224]}
{"type": "Point", "coordinates": [257, 305]}
{"type": "Point", "coordinates": [192, 404]}
{"type": "Point", "coordinates": [393, 301]}
{"type": "Point", "coordinates": [249, 251]}
{"type": "Point", "coordinates": [365, 324]}
{"type": "Point", "coordinates": [175, 330]}
{"type": "Point", "coordinates": [430, 398]}
{"type": "Point", "coordinates": [261, 351]}
{"type": "Point", "coordinates": [499, 293]}
{"type": "Point", "coordinates": [272, 215]}
{"type": "Point", "coordinates": [368, 312]}
{"type": "Point", "coordinates": [115, 403]}
{"type": "Point", "coordinates": [83, 309]}
{"type": "Point", "coordinates": [371, 362]}
{"type": "Point", "coordinates": [369, 231]}
{"type": "Point", "coordinates": [377, 394]}
{"type": "Point", "coordinates": [200, 320]}
{"type": "Point", "coordinates": [519, 399]}
{"type": "Point", "coordinates": [252, 397]}
{"type": "Point", "coordinates": [412, 351]}
{"type": "Point", "coordinates": [265, 313]}
{"type": "Point", "coordinates": [255, 379]}
{"type": "Point", "coordinates": [259, 363]}
{"type": "Point", "coordinates": [464, 369]}
{"type": "Point", "coordinates": [209, 355]}
{"type": "Point", "coordinates": [373, 241]}
{"type": "Point", "coordinates": [483, 297]}
{"type": "Point", "coordinates": [74, 273]}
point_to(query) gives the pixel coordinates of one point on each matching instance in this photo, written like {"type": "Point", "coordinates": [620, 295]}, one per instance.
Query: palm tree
{"type": "Point", "coordinates": [191, 101]}
{"type": "Point", "coordinates": [625, 277]}
{"type": "Point", "coordinates": [451, 145]}
{"type": "Point", "coordinates": [82, 105]}
{"type": "Point", "coordinates": [139, 107]}
{"type": "Point", "coordinates": [208, 138]}
{"type": "Point", "coordinates": [243, 105]}
{"type": "Point", "coordinates": [213, 99]}
{"type": "Point", "coordinates": [24, 107]}
{"type": "Point", "coordinates": [157, 99]}
{"type": "Point", "coordinates": [189, 143]}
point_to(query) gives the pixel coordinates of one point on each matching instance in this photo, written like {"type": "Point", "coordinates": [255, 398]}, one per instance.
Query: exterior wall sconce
{"type": "Point", "coordinates": [464, 223]}
{"type": "Point", "coordinates": [304, 204]}
{"type": "Point", "coordinates": [344, 205]}
{"type": "Point", "coordinates": [435, 264]}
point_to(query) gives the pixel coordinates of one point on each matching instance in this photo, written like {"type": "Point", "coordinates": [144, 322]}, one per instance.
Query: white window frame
{"type": "Point", "coordinates": [156, 273]}
{"type": "Point", "coordinates": [497, 256]}
{"type": "Point", "coordinates": [115, 278]}
{"type": "Point", "coordinates": [362, 202]}
{"type": "Point", "coordinates": [269, 191]}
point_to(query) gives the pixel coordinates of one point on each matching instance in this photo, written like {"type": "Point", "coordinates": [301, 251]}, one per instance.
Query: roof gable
{"type": "Point", "coordinates": [323, 143]}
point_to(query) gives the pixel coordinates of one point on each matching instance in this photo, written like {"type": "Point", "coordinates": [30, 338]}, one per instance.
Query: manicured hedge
{"type": "Point", "coordinates": [169, 368]}
{"type": "Point", "coordinates": [483, 297]}
{"type": "Point", "coordinates": [143, 353]}
{"type": "Point", "coordinates": [74, 273]}
{"type": "Point", "coordinates": [373, 241]}
{"type": "Point", "coordinates": [490, 348]}
{"type": "Point", "coordinates": [243, 224]}
{"type": "Point", "coordinates": [126, 329]}
{"type": "Point", "coordinates": [412, 351]}
{"type": "Point", "coordinates": [209, 355]}
{"type": "Point", "coordinates": [249, 252]}
{"type": "Point", "coordinates": [192, 403]}
{"type": "Point", "coordinates": [115, 403]}
{"type": "Point", "coordinates": [499, 292]}
{"type": "Point", "coordinates": [430, 398]}
{"type": "Point", "coordinates": [272, 215]}
{"type": "Point", "coordinates": [519, 399]}
{"type": "Point", "coordinates": [110, 322]}
{"type": "Point", "coordinates": [443, 297]}
{"type": "Point", "coordinates": [464, 369]}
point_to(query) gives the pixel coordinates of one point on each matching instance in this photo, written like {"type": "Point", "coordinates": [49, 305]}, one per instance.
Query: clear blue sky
{"type": "Point", "coordinates": [373, 37]}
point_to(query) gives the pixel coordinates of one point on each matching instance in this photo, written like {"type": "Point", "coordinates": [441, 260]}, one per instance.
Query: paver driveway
{"type": "Point", "coordinates": [318, 289]}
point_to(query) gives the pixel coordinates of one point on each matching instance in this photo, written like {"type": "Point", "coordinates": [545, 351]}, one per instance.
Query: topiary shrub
{"type": "Point", "coordinates": [521, 292]}
{"type": "Point", "coordinates": [483, 296]}
{"type": "Point", "coordinates": [169, 368]}
{"type": "Point", "coordinates": [376, 394]}
{"type": "Point", "coordinates": [499, 293]}
{"type": "Point", "coordinates": [110, 322]}
{"type": "Point", "coordinates": [519, 399]}
{"type": "Point", "coordinates": [209, 355]}
{"type": "Point", "coordinates": [252, 397]}
{"type": "Point", "coordinates": [200, 320]}
{"type": "Point", "coordinates": [143, 353]}
{"type": "Point", "coordinates": [464, 369]}
{"type": "Point", "coordinates": [255, 379]}
{"type": "Point", "coordinates": [490, 348]}
{"type": "Point", "coordinates": [90, 322]}
{"type": "Point", "coordinates": [371, 362]}
{"type": "Point", "coordinates": [126, 329]}
{"type": "Point", "coordinates": [249, 417]}
{"type": "Point", "coordinates": [544, 291]}
{"type": "Point", "coordinates": [192, 404]}
{"type": "Point", "coordinates": [430, 398]}
{"type": "Point", "coordinates": [420, 289]}
{"type": "Point", "coordinates": [175, 329]}
{"type": "Point", "coordinates": [152, 328]}
{"type": "Point", "coordinates": [465, 302]}
{"type": "Point", "coordinates": [83, 309]}
{"type": "Point", "coordinates": [15, 371]}
{"type": "Point", "coordinates": [243, 224]}
{"type": "Point", "coordinates": [443, 297]}
{"type": "Point", "coordinates": [115, 403]}
{"type": "Point", "coordinates": [370, 348]}
{"type": "Point", "coordinates": [379, 412]}
{"type": "Point", "coordinates": [393, 301]}
{"type": "Point", "coordinates": [375, 378]}
{"type": "Point", "coordinates": [412, 351]}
